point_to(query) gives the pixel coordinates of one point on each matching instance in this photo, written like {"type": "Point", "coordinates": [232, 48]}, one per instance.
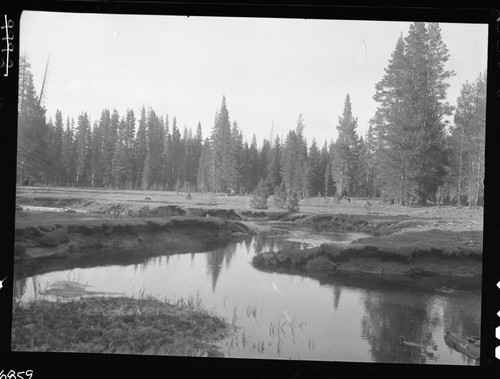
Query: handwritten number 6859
{"type": "Point", "coordinates": [16, 375]}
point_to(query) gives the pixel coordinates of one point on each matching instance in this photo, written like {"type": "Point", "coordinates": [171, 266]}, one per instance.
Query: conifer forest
{"type": "Point", "coordinates": [417, 148]}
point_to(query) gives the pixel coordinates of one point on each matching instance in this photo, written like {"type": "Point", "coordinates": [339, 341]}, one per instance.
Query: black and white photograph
{"type": "Point", "coordinates": [243, 187]}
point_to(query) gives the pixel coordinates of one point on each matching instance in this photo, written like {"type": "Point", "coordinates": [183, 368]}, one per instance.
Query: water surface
{"type": "Point", "coordinates": [275, 315]}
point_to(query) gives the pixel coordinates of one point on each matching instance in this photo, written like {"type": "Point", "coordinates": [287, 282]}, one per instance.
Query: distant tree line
{"type": "Point", "coordinates": [408, 155]}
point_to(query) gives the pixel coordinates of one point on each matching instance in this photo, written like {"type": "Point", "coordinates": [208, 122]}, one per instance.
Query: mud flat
{"type": "Point", "coordinates": [117, 325]}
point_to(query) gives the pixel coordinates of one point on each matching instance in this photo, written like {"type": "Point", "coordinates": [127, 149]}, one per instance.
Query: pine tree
{"type": "Point", "coordinates": [119, 162]}
{"type": "Point", "coordinates": [167, 167]}
{"type": "Point", "coordinates": [203, 177]}
{"type": "Point", "coordinates": [97, 153]}
{"type": "Point", "coordinates": [273, 166]}
{"type": "Point", "coordinates": [129, 151]}
{"type": "Point", "coordinates": [152, 173]}
{"type": "Point", "coordinates": [253, 163]}
{"type": "Point", "coordinates": [177, 157]}
{"type": "Point", "coordinates": [264, 155]}
{"type": "Point", "coordinates": [68, 156]}
{"type": "Point", "coordinates": [238, 154]}
{"type": "Point", "coordinates": [140, 148]}
{"type": "Point", "coordinates": [316, 172]}
{"type": "Point", "coordinates": [467, 139]}
{"type": "Point", "coordinates": [411, 152]}
{"type": "Point", "coordinates": [327, 154]}
{"type": "Point", "coordinates": [346, 159]}
{"type": "Point", "coordinates": [33, 158]}
{"type": "Point", "coordinates": [83, 140]}
{"type": "Point", "coordinates": [108, 125]}
{"type": "Point", "coordinates": [294, 161]}
{"type": "Point", "coordinates": [57, 141]}
{"type": "Point", "coordinates": [223, 161]}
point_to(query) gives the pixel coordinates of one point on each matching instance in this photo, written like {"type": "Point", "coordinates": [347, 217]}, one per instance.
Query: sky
{"type": "Point", "coordinates": [269, 70]}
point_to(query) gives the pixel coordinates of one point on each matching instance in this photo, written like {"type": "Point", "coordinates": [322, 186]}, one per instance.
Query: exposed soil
{"type": "Point", "coordinates": [116, 325]}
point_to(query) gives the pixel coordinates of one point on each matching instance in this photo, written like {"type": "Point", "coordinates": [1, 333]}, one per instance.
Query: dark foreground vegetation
{"type": "Point", "coordinates": [117, 325]}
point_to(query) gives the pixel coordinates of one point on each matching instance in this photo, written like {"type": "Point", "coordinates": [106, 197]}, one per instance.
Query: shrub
{"type": "Point", "coordinates": [283, 199]}
{"type": "Point", "coordinates": [279, 198]}
{"type": "Point", "coordinates": [292, 202]}
{"type": "Point", "coordinates": [259, 196]}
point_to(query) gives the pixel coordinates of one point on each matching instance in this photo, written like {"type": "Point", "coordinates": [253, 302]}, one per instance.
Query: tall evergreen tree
{"type": "Point", "coordinates": [294, 161]}
{"type": "Point", "coordinates": [97, 153]}
{"type": "Point", "coordinates": [203, 177]}
{"type": "Point", "coordinates": [468, 142]}
{"type": "Point", "coordinates": [33, 158]}
{"type": "Point", "coordinates": [119, 161]}
{"type": "Point", "coordinates": [273, 166]}
{"type": "Point", "coordinates": [411, 153]}
{"type": "Point", "coordinates": [346, 160]}
{"type": "Point", "coordinates": [109, 126]}
{"type": "Point", "coordinates": [316, 171]}
{"type": "Point", "coordinates": [83, 157]}
{"type": "Point", "coordinates": [68, 156]}
{"type": "Point", "coordinates": [140, 148]}
{"type": "Point", "coordinates": [57, 141]}
{"type": "Point", "coordinates": [253, 164]}
{"type": "Point", "coordinates": [223, 161]}
{"type": "Point", "coordinates": [152, 173]}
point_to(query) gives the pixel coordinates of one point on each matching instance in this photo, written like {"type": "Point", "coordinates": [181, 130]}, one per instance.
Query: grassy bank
{"type": "Point", "coordinates": [69, 239]}
{"type": "Point", "coordinates": [413, 254]}
{"type": "Point", "coordinates": [412, 241]}
{"type": "Point", "coordinates": [116, 325]}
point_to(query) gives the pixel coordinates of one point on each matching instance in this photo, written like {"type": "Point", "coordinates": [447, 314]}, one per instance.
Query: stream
{"type": "Point", "coordinates": [283, 316]}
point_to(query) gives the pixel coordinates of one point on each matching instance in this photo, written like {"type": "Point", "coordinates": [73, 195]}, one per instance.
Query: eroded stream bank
{"type": "Point", "coordinates": [385, 244]}
{"type": "Point", "coordinates": [64, 241]}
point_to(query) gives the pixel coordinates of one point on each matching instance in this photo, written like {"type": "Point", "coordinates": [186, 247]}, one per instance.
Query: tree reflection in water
{"type": "Point", "coordinates": [215, 258]}
{"type": "Point", "coordinates": [401, 327]}
{"type": "Point", "coordinates": [258, 244]}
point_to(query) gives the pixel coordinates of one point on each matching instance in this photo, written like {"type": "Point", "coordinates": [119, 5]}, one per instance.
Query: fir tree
{"type": "Point", "coordinates": [140, 148]}
{"type": "Point", "coordinates": [83, 157]}
{"type": "Point", "coordinates": [33, 158]}
{"type": "Point", "coordinates": [345, 162]}
{"type": "Point", "coordinates": [97, 153]}
{"type": "Point", "coordinates": [68, 156]}
{"type": "Point", "coordinates": [316, 171]}
{"type": "Point", "coordinates": [273, 165]}
{"type": "Point", "coordinates": [411, 152]}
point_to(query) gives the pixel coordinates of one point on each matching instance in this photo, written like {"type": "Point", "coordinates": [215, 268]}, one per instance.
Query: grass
{"type": "Point", "coordinates": [428, 252]}
{"type": "Point", "coordinates": [116, 325]}
{"type": "Point", "coordinates": [440, 243]}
